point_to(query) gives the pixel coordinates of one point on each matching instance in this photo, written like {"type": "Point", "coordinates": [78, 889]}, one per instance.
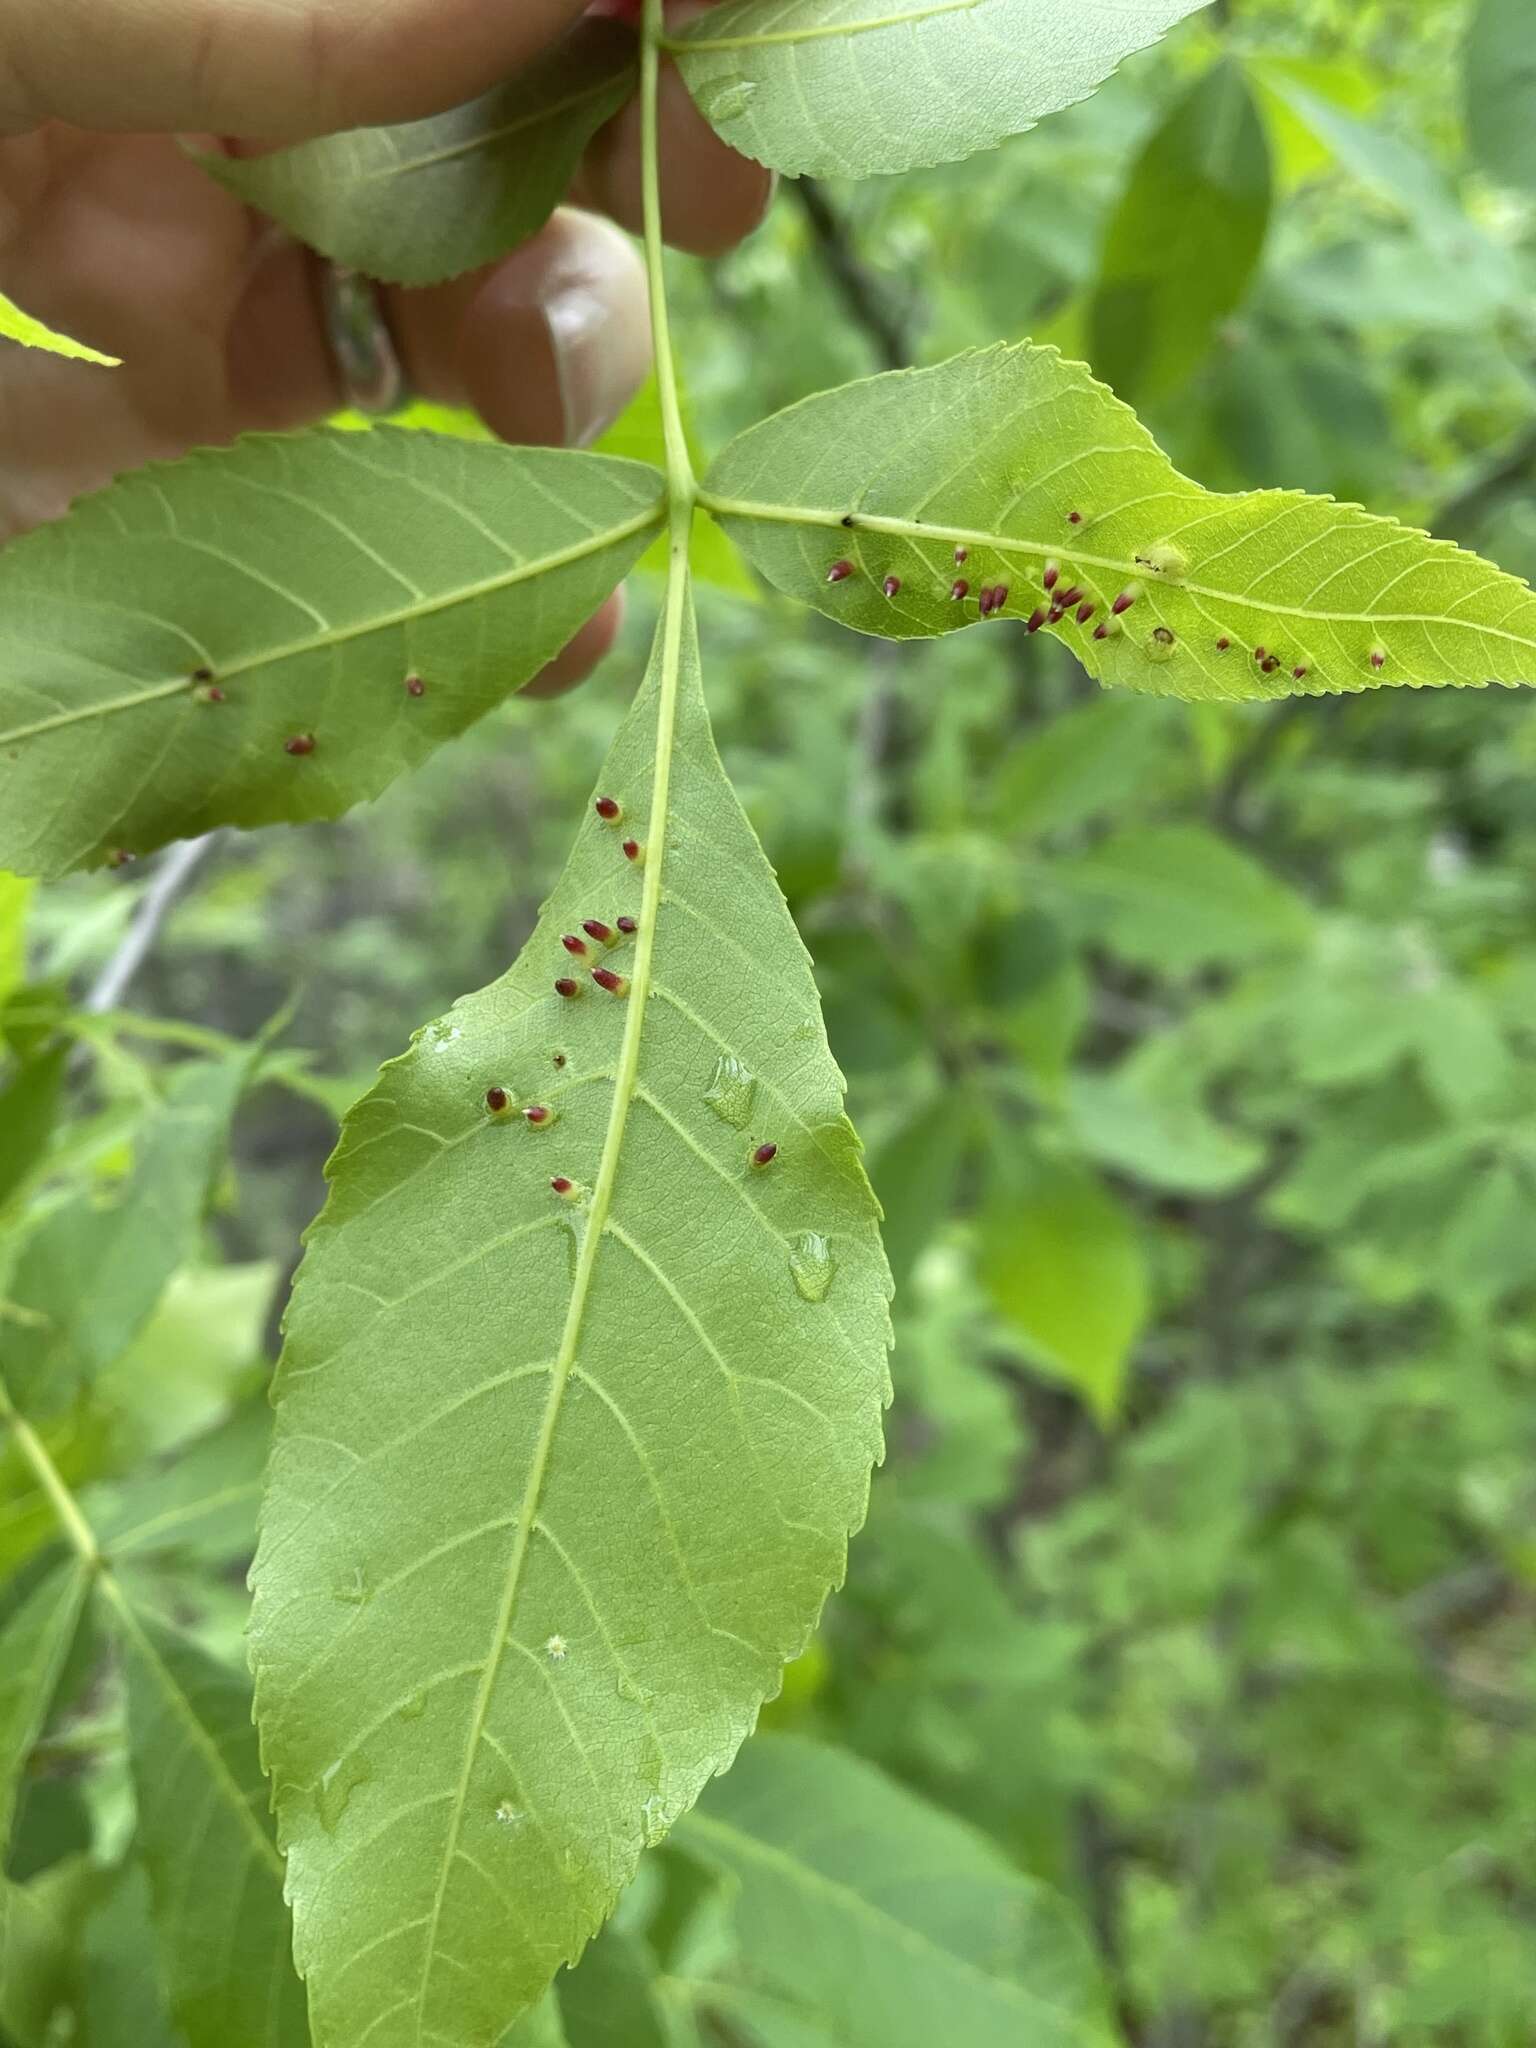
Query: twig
{"type": "Point", "coordinates": [863, 292]}
{"type": "Point", "coordinates": [171, 879]}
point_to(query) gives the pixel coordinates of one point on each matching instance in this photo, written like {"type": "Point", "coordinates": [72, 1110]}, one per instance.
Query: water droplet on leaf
{"type": "Point", "coordinates": [812, 1266]}
{"type": "Point", "coordinates": [335, 1789]}
{"type": "Point", "coordinates": [730, 1091]}
{"type": "Point", "coordinates": [727, 99]}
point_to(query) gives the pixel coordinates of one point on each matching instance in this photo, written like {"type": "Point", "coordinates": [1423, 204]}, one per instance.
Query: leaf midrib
{"type": "Point", "coordinates": [831, 31]}
{"type": "Point", "coordinates": [405, 167]}
{"type": "Point", "coordinates": [625, 1088]}
{"type": "Point", "coordinates": [921, 530]}
{"type": "Point", "coordinates": [312, 643]}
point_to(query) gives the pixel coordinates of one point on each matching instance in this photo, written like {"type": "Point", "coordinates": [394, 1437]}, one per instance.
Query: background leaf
{"type": "Point", "coordinates": [1500, 82]}
{"type": "Point", "coordinates": [60, 1336]}
{"type": "Point", "coordinates": [34, 1646]}
{"type": "Point", "coordinates": [429, 199]}
{"type": "Point", "coordinates": [559, 1484]}
{"type": "Point", "coordinates": [1063, 1262]}
{"type": "Point", "coordinates": [1184, 242]}
{"type": "Point", "coordinates": [845, 88]}
{"type": "Point", "coordinates": [206, 1839]}
{"type": "Point", "coordinates": [880, 1922]}
{"type": "Point", "coordinates": [1022, 460]}
{"type": "Point", "coordinates": [1177, 897]}
{"type": "Point", "coordinates": [308, 577]}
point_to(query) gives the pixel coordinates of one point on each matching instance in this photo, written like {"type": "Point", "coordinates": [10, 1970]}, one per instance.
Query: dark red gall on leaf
{"type": "Point", "coordinates": [596, 929]}
{"type": "Point", "coordinates": [840, 572]}
{"type": "Point", "coordinates": [568, 988]}
{"type": "Point", "coordinates": [300, 743]}
{"type": "Point", "coordinates": [616, 984]}
{"type": "Point", "coordinates": [497, 1101]}
{"type": "Point", "coordinates": [609, 809]}
{"type": "Point", "coordinates": [765, 1155]}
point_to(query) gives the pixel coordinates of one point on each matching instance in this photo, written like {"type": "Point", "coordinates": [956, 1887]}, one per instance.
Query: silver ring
{"type": "Point", "coordinates": [367, 361]}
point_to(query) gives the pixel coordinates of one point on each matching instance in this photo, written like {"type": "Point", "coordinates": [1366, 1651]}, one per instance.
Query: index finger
{"type": "Point", "coordinates": [275, 68]}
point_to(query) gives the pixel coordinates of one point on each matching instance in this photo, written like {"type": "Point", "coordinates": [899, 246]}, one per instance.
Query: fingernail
{"type": "Point", "coordinates": [600, 359]}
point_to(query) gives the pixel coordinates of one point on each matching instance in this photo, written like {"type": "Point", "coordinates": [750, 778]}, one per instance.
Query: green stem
{"type": "Point", "coordinates": [682, 488]}
{"type": "Point", "coordinates": [48, 1476]}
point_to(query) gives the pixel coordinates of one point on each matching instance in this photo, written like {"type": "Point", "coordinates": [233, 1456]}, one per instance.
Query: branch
{"type": "Point", "coordinates": [863, 291]}
{"type": "Point", "coordinates": [171, 880]}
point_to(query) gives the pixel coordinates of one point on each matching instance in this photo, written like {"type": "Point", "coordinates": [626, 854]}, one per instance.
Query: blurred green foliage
{"type": "Point", "coordinates": [1195, 1051]}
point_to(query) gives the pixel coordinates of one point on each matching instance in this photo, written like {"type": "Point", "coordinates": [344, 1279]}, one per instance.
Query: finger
{"type": "Point", "coordinates": [548, 346]}
{"type": "Point", "coordinates": [711, 198]}
{"type": "Point", "coordinates": [576, 661]}
{"type": "Point", "coordinates": [279, 68]}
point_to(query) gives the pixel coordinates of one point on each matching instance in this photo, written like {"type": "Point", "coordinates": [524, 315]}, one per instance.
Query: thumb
{"type": "Point", "coordinates": [274, 68]}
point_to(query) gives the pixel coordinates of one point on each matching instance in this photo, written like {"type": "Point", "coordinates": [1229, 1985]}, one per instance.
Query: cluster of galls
{"type": "Point", "coordinates": [1165, 562]}
{"type": "Point", "coordinates": [1061, 595]}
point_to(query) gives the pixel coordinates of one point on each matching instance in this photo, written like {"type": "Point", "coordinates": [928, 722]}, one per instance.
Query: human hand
{"type": "Point", "coordinates": [108, 231]}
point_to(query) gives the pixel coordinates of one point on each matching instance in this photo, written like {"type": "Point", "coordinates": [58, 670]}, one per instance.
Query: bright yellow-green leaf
{"type": "Point", "coordinates": [15, 325]}
{"type": "Point", "coordinates": [1025, 462]}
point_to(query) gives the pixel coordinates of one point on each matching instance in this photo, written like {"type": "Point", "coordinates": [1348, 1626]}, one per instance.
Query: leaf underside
{"type": "Point", "coordinates": [1023, 459]}
{"type": "Point", "coordinates": [559, 1484]}
{"type": "Point", "coordinates": [302, 580]}
{"type": "Point", "coordinates": [852, 88]}
{"type": "Point", "coordinates": [429, 199]}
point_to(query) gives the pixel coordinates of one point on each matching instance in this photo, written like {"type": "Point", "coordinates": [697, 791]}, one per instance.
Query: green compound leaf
{"type": "Point", "coordinates": [1023, 460]}
{"type": "Point", "coordinates": [162, 647]}
{"type": "Point", "coordinates": [430, 199]}
{"type": "Point", "coordinates": [562, 1476]}
{"type": "Point", "coordinates": [876, 1921]}
{"type": "Point", "coordinates": [1185, 240]}
{"type": "Point", "coordinates": [15, 325]}
{"type": "Point", "coordinates": [60, 1334]}
{"type": "Point", "coordinates": [34, 1647]}
{"type": "Point", "coordinates": [206, 1839]}
{"type": "Point", "coordinates": [850, 88]}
